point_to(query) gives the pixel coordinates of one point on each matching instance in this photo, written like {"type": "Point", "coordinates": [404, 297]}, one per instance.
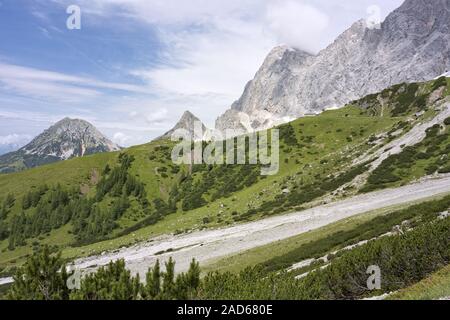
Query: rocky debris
{"type": "Point", "coordinates": [219, 243]}
{"type": "Point", "coordinates": [444, 215]}
{"type": "Point", "coordinates": [412, 137]}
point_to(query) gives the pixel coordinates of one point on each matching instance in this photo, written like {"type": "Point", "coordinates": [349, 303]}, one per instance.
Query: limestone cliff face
{"type": "Point", "coordinates": [413, 44]}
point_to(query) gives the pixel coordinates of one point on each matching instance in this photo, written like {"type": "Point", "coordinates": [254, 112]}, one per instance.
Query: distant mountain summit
{"type": "Point", "coordinates": [192, 126]}
{"type": "Point", "coordinates": [411, 45]}
{"type": "Point", "coordinates": [68, 138]}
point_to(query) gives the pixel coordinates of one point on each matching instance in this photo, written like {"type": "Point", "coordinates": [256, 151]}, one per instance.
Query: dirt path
{"type": "Point", "coordinates": [212, 244]}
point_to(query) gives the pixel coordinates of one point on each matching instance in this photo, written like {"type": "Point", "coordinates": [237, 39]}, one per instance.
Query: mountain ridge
{"type": "Point", "coordinates": [412, 45]}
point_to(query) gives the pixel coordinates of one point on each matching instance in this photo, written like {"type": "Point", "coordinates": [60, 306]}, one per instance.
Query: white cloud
{"type": "Point", "coordinates": [158, 116]}
{"type": "Point", "coordinates": [28, 116]}
{"type": "Point", "coordinates": [55, 85]}
{"type": "Point", "coordinates": [48, 90]}
{"type": "Point", "coordinates": [14, 139]}
{"type": "Point", "coordinates": [169, 12]}
{"type": "Point", "coordinates": [218, 61]}
{"type": "Point", "coordinates": [296, 24]}
{"type": "Point", "coordinates": [121, 139]}
{"type": "Point", "coordinates": [206, 71]}
{"type": "Point", "coordinates": [210, 49]}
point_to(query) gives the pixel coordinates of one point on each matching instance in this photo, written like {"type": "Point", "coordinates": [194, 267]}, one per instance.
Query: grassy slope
{"type": "Point", "coordinates": [68, 173]}
{"type": "Point", "coordinates": [436, 286]}
{"type": "Point", "coordinates": [331, 130]}
{"type": "Point", "coordinates": [338, 137]}
{"type": "Point", "coordinates": [323, 127]}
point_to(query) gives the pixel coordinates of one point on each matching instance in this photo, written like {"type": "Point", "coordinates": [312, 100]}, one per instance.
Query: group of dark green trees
{"type": "Point", "coordinates": [48, 208]}
{"type": "Point", "coordinates": [212, 182]}
{"type": "Point", "coordinates": [45, 277]}
{"type": "Point", "coordinates": [405, 98]}
{"type": "Point", "coordinates": [403, 259]}
{"type": "Point", "coordinates": [5, 208]}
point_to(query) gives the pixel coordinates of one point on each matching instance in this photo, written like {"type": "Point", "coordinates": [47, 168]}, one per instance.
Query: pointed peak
{"type": "Point", "coordinates": [188, 122]}
{"type": "Point", "coordinates": [279, 51]}
{"type": "Point", "coordinates": [188, 115]}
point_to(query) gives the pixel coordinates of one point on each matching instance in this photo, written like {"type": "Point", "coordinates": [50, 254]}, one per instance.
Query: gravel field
{"type": "Point", "coordinates": [213, 244]}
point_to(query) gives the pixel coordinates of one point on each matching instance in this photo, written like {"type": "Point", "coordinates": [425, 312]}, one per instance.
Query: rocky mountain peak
{"type": "Point", "coordinates": [68, 138]}
{"type": "Point", "coordinates": [188, 117]}
{"type": "Point", "coordinates": [191, 125]}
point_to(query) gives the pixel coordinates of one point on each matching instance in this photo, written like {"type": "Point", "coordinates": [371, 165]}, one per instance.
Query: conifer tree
{"type": "Point", "coordinates": [153, 279]}
{"type": "Point", "coordinates": [43, 277]}
{"type": "Point", "coordinates": [113, 282]}
{"type": "Point", "coordinates": [168, 279]}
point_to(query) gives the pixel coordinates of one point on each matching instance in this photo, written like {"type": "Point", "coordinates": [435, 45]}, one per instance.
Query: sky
{"type": "Point", "coordinates": [134, 66]}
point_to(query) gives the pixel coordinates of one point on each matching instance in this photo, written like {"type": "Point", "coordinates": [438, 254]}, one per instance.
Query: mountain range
{"type": "Point", "coordinates": [138, 205]}
{"type": "Point", "coordinates": [364, 182]}
{"type": "Point", "coordinates": [412, 44]}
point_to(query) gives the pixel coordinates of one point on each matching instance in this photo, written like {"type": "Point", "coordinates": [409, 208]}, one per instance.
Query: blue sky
{"type": "Point", "coordinates": [136, 65]}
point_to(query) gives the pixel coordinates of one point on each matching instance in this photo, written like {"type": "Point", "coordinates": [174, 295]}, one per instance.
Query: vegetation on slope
{"type": "Point", "coordinates": [436, 286]}
{"type": "Point", "coordinates": [45, 277]}
{"type": "Point", "coordinates": [403, 260]}
{"type": "Point", "coordinates": [430, 156]}
{"type": "Point", "coordinates": [346, 277]}
{"type": "Point", "coordinates": [98, 203]}
{"type": "Point", "coordinates": [406, 218]}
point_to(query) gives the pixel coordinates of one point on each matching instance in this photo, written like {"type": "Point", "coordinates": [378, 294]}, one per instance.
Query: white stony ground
{"type": "Point", "coordinates": [6, 280]}
{"type": "Point", "coordinates": [209, 245]}
{"type": "Point", "coordinates": [414, 136]}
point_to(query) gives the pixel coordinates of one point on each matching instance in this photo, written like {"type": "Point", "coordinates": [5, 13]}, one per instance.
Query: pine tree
{"type": "Point", "coordinates": [106, 170]}
{"type": "Point", "coordinates": [113, 282]}
{"type": "Point", "coordinates": [3, 230]}
{"type": "Point", "coordinates": [3, 212]}
{"type": "Point", "coordinates": [153, 279]}
{"type": "Point", "coordinates": [168, 279]}
{"type": "Point", "coordinates": [26, 201]}
{"type": "Point", "coordinates": [9, 201]}
{"type": "Point", "coordinates": [193, 275]}
{"type": "Point", "coordinates": [43, 277]}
